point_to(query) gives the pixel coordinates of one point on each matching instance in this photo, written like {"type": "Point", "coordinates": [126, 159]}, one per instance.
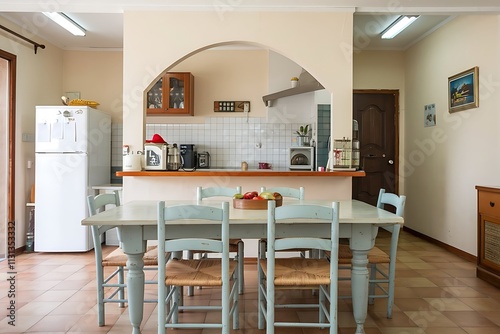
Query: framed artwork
{"type": "Point", "coordinates": [463, 90]}
{"type": "Point", "coordinates": [430, 115]}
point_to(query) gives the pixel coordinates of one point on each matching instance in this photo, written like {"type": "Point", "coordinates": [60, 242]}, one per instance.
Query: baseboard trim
{"type": "Point", "coordinates": [451, 249]}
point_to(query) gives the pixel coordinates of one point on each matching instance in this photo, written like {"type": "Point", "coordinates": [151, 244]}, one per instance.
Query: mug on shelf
{"type": "Point", "coordinates": [264, 165]}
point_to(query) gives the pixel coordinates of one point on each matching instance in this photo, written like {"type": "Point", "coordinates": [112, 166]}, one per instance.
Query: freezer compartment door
{"type": "Point", "coordinates": [61, 129]}
{"type": "Point", "coordinates": [60, 202]}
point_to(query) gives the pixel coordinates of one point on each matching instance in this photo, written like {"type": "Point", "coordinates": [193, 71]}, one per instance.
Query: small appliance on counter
{"type": "Point", "coordinates": [174, 160]}
{"type": "Point", "coordinates": [203, 160]}
{"type": "Point", "coordinates": [302, 158]}
{"type": "Point", "coordinates": [188, 155]}
{"type": "Point", "coordinates": [155, 156]}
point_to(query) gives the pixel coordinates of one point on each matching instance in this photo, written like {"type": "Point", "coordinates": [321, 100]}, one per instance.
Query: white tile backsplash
{"type": "Point", "coordinates": [229, 140]}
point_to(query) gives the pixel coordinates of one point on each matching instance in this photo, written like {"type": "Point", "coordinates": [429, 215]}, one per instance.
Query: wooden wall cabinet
{"type": "Point", "coordinates": [173, 94]}
{"type": "Point", "coordinates": [488, 234]}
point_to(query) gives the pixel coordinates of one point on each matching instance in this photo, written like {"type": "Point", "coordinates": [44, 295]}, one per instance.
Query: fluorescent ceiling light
{"type": "Point", "coordinates": [66, 23]}
{"type": "Point", "coordinates": [397, 26]}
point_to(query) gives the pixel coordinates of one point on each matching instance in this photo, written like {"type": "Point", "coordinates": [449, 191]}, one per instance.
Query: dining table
{"type": "Point", "coordinates": [137, 223]}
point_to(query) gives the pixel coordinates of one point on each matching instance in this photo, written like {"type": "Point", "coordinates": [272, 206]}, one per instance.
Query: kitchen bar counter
{"type": "Point", "coordinates": [238, 172]}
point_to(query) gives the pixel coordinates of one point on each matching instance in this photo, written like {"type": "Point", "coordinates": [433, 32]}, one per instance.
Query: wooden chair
{"type": "Point", "coordinates": [377, 258]}
{"type": "Point", "coordinates": [235, 245]}
{"type": "Point", "coordinates": [296, 193]}
{"type": "Point", "coordinates": [116, 259]}
{"type": "Point", "coordinates": [298, 273]}
{"type": "Point", "coordinates": [176, 274]}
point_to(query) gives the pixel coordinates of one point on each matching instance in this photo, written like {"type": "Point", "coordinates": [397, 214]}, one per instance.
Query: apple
{"type": "Point", "coordinates": [250, 194]}
{"type": "Point", "coordinates": [238, 196]}
{"type": "Point", "coordinates": [258, 198]}
{"type": "Point", "coordinates": [266, 195]}
{"type": "Point", "coordinates": [277, 196]}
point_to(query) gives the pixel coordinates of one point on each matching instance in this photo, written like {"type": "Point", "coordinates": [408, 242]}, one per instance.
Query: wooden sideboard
{"type": "Point", "coordinates": [488, 234]}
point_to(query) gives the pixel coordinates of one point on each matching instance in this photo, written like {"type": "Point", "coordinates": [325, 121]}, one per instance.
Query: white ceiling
{"type": "Point", "coordinates": [103, 20]}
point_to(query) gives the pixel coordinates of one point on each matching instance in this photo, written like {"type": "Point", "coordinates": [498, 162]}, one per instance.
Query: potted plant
{"type": "Point", "coordinates": [294, 81]}
{"type": "Point", "coordinates": [303, 135]}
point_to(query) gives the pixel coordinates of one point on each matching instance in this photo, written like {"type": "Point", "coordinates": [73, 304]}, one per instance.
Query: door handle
{"type": "Point", "coordinates": [391, 162]}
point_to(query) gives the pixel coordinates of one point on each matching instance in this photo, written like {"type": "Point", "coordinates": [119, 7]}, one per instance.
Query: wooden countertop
{"type": "Point", "coordinates": [250, 173]}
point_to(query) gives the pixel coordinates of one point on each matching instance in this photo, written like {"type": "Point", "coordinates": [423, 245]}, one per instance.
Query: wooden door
{"type": "Point", "coordinates": [377, 114]}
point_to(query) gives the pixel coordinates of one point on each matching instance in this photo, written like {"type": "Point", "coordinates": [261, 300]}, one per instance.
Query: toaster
{"type": "Point", "coordinates": [203, 160]}
{"type": "Point", "coordinates": [155, 156]}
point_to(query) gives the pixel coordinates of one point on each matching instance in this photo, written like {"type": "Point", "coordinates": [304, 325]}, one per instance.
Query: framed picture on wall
{"type": "Point", "coordinates": [463, 90]}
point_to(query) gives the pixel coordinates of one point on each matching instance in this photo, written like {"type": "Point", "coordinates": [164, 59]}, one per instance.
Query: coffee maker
{"type": "Point", "coordinates": [188, 155]}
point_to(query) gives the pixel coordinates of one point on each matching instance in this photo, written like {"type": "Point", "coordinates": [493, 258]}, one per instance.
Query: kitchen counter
{"type": "Point", "coordinates": [109, 186]}
{"type": "Point", "coordinates": [239, 172]}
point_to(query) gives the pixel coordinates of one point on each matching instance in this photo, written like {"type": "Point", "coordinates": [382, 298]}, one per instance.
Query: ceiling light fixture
{"type": "Point", "coordinates": [66, 23]}
{"type": "Point", "coordinates": [397, 26]}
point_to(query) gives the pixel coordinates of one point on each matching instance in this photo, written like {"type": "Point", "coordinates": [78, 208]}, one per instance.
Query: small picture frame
{"type": "Point", "coordinates": [463, 90]}
{"type": "Point", "coordinates": [430, 115]}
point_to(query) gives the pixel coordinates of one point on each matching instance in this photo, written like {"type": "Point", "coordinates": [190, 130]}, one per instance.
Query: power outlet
{"type": "Point", "coordinates": [28, 137]}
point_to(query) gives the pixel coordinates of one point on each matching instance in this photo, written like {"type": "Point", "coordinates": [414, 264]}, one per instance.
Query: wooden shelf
{"type": "Point", "coordinates": [248, 173]}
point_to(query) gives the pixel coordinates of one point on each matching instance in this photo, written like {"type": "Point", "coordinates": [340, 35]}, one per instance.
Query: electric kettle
{"type": "Point", "coordinates": [173, 158]}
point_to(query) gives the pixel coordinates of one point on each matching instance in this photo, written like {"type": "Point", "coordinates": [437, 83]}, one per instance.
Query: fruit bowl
{"type": "Point", "coordinates": [253, 204]}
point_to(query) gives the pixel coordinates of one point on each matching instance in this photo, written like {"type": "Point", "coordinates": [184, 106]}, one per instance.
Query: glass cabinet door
{"type": "Point", "coordinates": [155, 96]}
{"type": "Point", "coordinates": [179, 93]}
{"type": "Point", "coordinates": [176, 94]}
{"type": "Point", "coordinates": [173, 94]}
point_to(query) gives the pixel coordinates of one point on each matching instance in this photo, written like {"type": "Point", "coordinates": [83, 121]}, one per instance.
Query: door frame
{"type": "Point", "coordinates": [11, 196]}
{"type": "Point", "coordinates": [394, 92]}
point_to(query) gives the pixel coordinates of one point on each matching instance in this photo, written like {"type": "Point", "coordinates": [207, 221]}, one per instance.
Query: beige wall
{"type": "Point", "coordinates": [323, 48]}
{"type": "Point", "coordinates": [39, 82]}
{"type": "Point", "coordinates": [444, 163]}
{"type": "Point", "coordinates": [223, 75]}
{"type": "Point", "coordinates": [98, 76]}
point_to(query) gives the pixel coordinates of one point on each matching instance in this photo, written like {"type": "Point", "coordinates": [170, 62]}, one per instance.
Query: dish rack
{"type": "Point", "coordinates": [342, 154]}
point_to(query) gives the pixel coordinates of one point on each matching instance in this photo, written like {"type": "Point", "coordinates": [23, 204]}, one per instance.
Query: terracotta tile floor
{"type": "Point", "coordinates": [436, 293]}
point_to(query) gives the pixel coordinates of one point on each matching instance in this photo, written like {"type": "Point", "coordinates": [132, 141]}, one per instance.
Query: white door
{"type": "Point", "coordinates": [61, 191]}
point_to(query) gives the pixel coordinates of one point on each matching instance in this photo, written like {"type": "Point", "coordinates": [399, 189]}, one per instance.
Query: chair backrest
{"type": "Point", "coordinates": [98, 204]}
{"type": "Point", "coordinates": [202, 193]}
{"type": "Point", "coordinates": [297, 193]}
{"type": "Point", "coordinates": [398, 202]}
{"type": "Point", "coordinates": [310, 212]}
{"type": "Point", "coordinates": [171, 214]}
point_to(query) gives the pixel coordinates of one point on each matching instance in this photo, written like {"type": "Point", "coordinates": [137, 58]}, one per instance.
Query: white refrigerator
{"type": "Point", "coordinates": [72, 154]}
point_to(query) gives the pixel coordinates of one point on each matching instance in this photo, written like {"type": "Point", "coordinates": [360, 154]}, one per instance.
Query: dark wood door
{"type": "Point", "coordinates": [377, 115]}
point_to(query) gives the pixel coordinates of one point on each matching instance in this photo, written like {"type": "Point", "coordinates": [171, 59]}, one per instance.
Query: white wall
{"type": "Point", "coordinates": [39, 81]}
{"type": "Point", "coordinates": [327, 61]}
{"type": "Point", "coordinates": [444, 163]}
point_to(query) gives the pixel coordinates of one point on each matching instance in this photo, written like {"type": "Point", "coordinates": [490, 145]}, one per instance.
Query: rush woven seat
{"type": "Point", "coordinates": [299, 271]}
{"type": "Point", "coordinates": [176, 274]}
{"type": "Point", "coordinates": [375, 255]}
{"type": "Point", "coordinates": [195, 272]}
{"type": "Point", "coordinates": [295, 273]}
{"type": "Point", "coordinates": [119, 258]}
{"type": "Point", "coordinates": [114, 284]}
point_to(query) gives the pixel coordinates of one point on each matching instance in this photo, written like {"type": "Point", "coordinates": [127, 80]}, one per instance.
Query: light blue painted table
{"type": "Point", "coordinates": [359, 223]}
